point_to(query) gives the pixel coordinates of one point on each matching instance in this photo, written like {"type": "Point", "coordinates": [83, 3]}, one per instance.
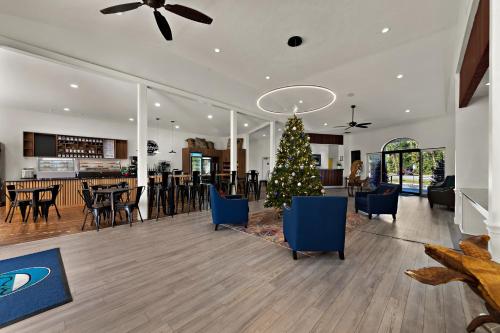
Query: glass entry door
{"type": "Point", "coordinates": [403, 168]}
{"type": "Point", "coordinates": [410, 172]}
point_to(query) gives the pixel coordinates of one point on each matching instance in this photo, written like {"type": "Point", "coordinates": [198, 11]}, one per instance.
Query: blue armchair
{"type": "Point", "coordinates": [315, 224]}
{"type": "Point", "coordinates": [231, 210]}
{"type": "Point", "coordinates": [384, 200]}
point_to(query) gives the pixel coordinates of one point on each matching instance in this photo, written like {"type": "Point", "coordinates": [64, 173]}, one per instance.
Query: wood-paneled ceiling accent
{"type": "Point", "coordinates": [328, 139]}
{"type": "Point", "coordinates": [476, 57]}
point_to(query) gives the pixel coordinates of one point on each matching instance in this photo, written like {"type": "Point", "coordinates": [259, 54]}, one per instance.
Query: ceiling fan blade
{"type": "Point", "coordinates": [163, 25]}
{"type": "Point", "coordinates": [365, 124]}
{"type": "Point", "coordinates": [347, 132]}
{"type": "Point", "coordinates": [361, 126]}
{"type": "Point", "coordinates": [189, 13]}
{"type": "Point", "coordinates": [122, 8]}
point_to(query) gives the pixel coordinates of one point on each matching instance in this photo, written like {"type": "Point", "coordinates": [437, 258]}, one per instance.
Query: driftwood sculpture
{"type": "Point", "coordinates": [354, 179]}
{"type": "Point", "coordinates": [474, 267]}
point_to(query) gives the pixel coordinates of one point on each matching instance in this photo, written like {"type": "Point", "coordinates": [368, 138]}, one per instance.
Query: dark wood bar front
{"type": "Point", "coordinates": [332, 177]}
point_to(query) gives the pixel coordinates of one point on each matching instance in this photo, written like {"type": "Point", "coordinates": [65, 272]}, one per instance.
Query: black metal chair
{"type": "Point", "coordinates": [252, 184]}
{"type": "Point", "coordinates": [23, 204]}
{"type": "Point", "coordinates": [181, 190]}
{"type": "Point", "coordinates": [130, 206]}
{"type": "Point", "coordinates": [96, 209]}
{"type": "Point", "coordinates": [45, 204]}
{"type": "Point", "coordinates": [195, 191]}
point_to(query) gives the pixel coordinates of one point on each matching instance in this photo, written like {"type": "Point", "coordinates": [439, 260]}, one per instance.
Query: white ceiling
{"type": "Point", "coordinates": [343, 50]}
{"type": "Point", "coordinates": [30, 83]}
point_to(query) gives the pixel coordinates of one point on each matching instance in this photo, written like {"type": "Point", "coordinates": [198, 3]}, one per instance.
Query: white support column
{"type": "Point", "coordinates": [493, 222]}
{"type": "Point", "coordinates": [234, 149]}
{"type": "Point", "coordinates": [272, 145]}
{"type": "Point", "coordinates": [246, 139]}
{"type": "Point", "coordinates": [142, 143]}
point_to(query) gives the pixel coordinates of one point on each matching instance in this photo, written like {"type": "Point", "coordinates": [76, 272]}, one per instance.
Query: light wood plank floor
{"type": "Point", "coordinates": [178, 275]}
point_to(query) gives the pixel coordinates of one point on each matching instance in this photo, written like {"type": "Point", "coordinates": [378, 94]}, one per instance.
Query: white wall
{"type": "Point", "coordinates": [13, 123]}
{"type": "Point", "coordinates": [259, 148]}
{"type": "Point", "coordinates": [471, 141]}
{"type": "Point", "coordinates": [429, 133]}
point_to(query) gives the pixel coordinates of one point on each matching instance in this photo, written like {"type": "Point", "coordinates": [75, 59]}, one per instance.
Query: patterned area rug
{"type": "Point", "coordinates": [267, 224]}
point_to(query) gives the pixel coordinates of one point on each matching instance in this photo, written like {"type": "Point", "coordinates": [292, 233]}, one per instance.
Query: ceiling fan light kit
{"type": "Point", "coordinates": [161, 21]}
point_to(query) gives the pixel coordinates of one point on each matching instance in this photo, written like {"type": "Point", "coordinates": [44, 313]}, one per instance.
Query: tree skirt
{"type": "Point", "coordinates": [267, 224]}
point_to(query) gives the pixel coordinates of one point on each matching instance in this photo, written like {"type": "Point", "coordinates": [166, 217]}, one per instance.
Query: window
{"type": "Point", "coordinates": [400, 144]}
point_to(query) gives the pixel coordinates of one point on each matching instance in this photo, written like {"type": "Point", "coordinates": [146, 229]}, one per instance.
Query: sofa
{"type": "Point", "coordinates": [315, 223]}
{"type": "Point", "coordinates": [442, 193]}
{"type": "Point", "coordinates": [228, 210]}
{"type": "Point", "coordinates": [383, 200]}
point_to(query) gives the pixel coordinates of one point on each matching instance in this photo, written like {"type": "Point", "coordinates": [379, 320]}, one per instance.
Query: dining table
{"type": "Point", "coordinates": [110, 192]}
{"type": "Point", "coordinates": [28, 191]}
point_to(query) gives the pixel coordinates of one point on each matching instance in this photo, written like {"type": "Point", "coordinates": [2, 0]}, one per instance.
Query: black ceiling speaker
{"type": "Point", "coordinates": [295, 41]}
{"type": "Point", "coordinates": [352, 123]}
{"type": "Point", "coordinates": [161, 21]}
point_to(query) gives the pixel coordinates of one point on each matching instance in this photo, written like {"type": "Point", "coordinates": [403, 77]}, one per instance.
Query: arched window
{"type": "Point", "coordinates": [400, 144]}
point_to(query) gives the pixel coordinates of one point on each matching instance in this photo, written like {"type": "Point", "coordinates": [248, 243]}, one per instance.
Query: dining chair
{"type": "Point", "coordinates": [130, 206]}
{"type": "Point", "coordinates": [45, 204]}
{"type": "Point", "coordinates": [96, 209]}
{"type": "Point", "coordinates": [22, 204]}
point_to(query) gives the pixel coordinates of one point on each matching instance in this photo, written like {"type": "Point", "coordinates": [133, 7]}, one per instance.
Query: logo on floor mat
{"type": "Point", "coordinates": [21, 279]}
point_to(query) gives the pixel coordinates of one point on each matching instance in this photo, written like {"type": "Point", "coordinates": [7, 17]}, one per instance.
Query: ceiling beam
{"type": "Point", "coordinates": [61, 59]}
{"type": "Point", "coordinates": [476, 58]}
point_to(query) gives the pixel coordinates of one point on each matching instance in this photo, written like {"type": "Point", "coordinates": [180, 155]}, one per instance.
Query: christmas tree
{"type": "Point", "coordinates": [295, 172]}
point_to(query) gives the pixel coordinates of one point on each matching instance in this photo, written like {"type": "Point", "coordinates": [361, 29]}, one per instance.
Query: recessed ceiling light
{"type": "Point", "coordinates": [386, 30]}
{"type": "Point", "coordinates": [130, 119]}
{"type": "Point", "coordinates": [400, 76]}
{"type": "Point", "coordinates": [67, 109]}
{"type": "Point", "coordinates": [263, 135]}
{"type": "Point", "coordinates": [119, 14]}
{"type": "Point", "coordinates": [74, 86]}
{"type": "Point", "coordinates": [210, 116]}
{"type": "Point", "coordinates": [245, 124]}
{"type": "Point", "coordinates": [488, 84]}
{"type": "Point", "coordinates": [177, 126]}
{"type": "Point", "coordinates": [268, 77]}
{"type": "Point", "coordinates": [408, 111]}
{"type": "Point", "coordinates": [279, 129]}
{"type": "Point", "coordinates": [216, 50]}
{"type": "Point", "coordinates": [325, 124]}
{"type": "Point", "coordinates": [157, 104]}
{"type": "Point", "coordinates": [301, 101]}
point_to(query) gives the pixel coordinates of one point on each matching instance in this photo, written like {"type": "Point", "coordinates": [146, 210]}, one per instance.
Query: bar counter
{"type": "Point", "coordinates": [68, 195]}
{"type": "Point", "coordinates": [331, 177]}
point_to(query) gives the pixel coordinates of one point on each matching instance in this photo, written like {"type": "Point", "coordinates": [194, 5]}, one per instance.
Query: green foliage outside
{"type": "Point", "coordinates": [295, 173]}
{"type": "Point", "coordinates": [430, 159]}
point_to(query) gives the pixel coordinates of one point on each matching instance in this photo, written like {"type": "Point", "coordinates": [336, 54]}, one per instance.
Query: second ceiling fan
{"type": "Point", "coordinates": [352, 123]}
{"type": "Point", "coordinates": [163, 25]}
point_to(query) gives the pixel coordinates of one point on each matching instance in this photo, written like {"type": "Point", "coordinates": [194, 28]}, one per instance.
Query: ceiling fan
{"type": "Point", "coordinates": [180, 10]}
{"type": "Point", "coordinates": [352, 123]}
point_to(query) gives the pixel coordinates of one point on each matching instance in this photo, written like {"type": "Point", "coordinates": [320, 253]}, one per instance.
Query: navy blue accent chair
{"type": "Point", "coordinates": [315, 223]}
{"type": "Point", "coordinates": [384, 200]}
{"type": "Point", "coordinates": [232, 210]}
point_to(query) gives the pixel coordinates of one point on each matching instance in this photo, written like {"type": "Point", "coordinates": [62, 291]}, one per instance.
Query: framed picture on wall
{"type": "Point", "coordinates": [317, 159]}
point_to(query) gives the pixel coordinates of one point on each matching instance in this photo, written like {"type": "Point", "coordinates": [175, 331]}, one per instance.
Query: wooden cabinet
{"type": "Point", "coordinates": [121, 149]}
{"type": "Point", "coordinates": [331, 177]}
{"type": "Point", "coordinates": [28, 144]}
